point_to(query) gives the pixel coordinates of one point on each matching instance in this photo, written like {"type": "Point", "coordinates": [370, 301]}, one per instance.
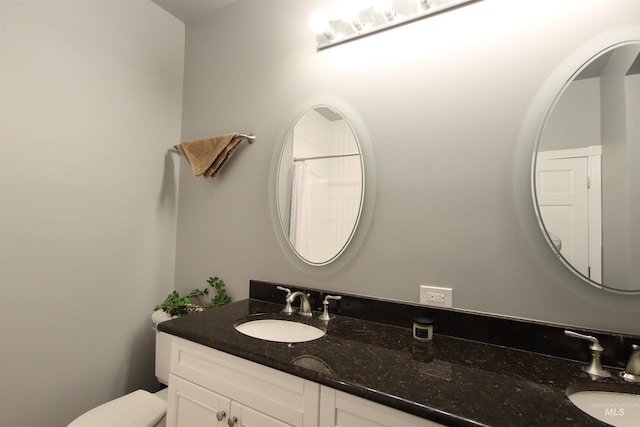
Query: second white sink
{"type": "Point", "coordinates": [280, 330]}
{"type": "Point", "coordinates": [616, 409]}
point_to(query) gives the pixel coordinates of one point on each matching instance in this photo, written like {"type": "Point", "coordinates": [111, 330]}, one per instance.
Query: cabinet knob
{"type": "Point", "coordinates": [220, 415]}
{"type": "Point", "coordinates": [232, 421]}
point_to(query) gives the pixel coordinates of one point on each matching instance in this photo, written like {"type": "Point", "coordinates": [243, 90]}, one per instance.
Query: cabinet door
{"type": "Point", "coordinates": [248, 417]}
{"type": "Point", "coordinates": [285, 397]}
{"type": "Point", "coordinates": [338, 409]}
{"type": "Point", "coordinates": [190, 405]}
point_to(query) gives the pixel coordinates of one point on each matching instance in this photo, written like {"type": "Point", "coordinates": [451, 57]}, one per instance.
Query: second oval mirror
{"type": "Point", "coordinates": [320, 185]}
{"type": "Point", "coordinates": [586, 175]}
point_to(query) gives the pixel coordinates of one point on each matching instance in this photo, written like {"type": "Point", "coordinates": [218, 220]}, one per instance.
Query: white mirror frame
{"type": "Point", "coordinates": [536, 157]}
{"type": "Point", "coordinates": [524, 157]}
{"type": "Point", "coordinates": [286, 163]}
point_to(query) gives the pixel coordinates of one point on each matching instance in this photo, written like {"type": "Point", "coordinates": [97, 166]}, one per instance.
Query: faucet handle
{"type": "Point", "coordinates": [632, 371]}
{"type": "Point", "coordinates": [287, 309]}
{"type": "Point", "coordinates": [325, 303]}
{"type": "Point", "coordinates": [595, 367]}
{"type": "Point", "coordinates": [281, 288]}
{"type": "Point", "coordinates": [328, 297]}
{"type": "Point", "coordinates": [595, 344]}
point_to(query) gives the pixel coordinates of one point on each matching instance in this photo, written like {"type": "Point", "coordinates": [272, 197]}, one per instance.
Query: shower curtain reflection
{"type": "Point", "coordinates": [299, 217]}
{"type": "Point", "coordinates": [324, 205]}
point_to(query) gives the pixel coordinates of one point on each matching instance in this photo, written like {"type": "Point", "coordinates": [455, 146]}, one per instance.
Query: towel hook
{"type": "Point", "coordinates": [250, 137]}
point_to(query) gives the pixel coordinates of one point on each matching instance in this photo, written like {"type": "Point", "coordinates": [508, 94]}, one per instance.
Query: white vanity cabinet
{"type": "Point", "coordinates": [208, 387]}
{"type": "Point", "coordinates": [339, 409]}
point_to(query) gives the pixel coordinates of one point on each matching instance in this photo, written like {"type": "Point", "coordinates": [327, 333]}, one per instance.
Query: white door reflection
{"type": "Point", "coordinates": [568, 193]}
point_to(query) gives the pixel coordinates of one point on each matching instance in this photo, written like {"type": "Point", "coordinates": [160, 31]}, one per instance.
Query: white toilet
{"type": "Point", "coordinates": [139, 408]}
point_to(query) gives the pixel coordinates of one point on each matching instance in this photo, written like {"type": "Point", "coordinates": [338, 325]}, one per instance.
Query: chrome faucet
{"type": "Point", "coordinates": [632, 372]}
{"type": "Point", "coordinates": [594, 369]}
{"type": "Point", "coordinates": [305, 307]}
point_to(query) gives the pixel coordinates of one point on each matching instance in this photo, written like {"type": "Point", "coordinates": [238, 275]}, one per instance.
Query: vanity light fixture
{"type": "Point", "coordinates": [375, 16]}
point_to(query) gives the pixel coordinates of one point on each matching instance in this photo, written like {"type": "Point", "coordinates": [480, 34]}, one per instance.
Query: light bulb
{"type": "Point", "coordinates": [384, 7]}
{"type": "Point", "coordinates": [349, 12]}
{"type": "Point", "coordinates": [319, 24]}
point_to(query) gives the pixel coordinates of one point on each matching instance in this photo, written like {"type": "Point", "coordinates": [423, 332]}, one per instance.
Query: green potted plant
{"type": "Point", "coordinates": [176, 305]}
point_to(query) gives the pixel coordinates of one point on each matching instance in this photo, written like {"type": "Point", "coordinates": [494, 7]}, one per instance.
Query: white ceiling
{"type": "Point", "coordinates": [188, 10]}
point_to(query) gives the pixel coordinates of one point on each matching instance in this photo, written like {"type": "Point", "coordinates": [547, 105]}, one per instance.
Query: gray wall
{"type": "Point", "coordinates": [444, 101]}
{"type": "Point", "coordinates": [91, 99]}
{"type": "Point", "coordinates": [575, 121]}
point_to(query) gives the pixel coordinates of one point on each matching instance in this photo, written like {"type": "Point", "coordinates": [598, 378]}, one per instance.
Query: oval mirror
{"type": "Point", "coordinates": [586, 171]}
{"type": "Point", "coordinates": [320, 185]}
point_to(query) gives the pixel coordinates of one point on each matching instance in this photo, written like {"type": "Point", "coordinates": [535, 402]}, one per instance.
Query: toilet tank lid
{"type": "Point", "coordinates": [137, 409]}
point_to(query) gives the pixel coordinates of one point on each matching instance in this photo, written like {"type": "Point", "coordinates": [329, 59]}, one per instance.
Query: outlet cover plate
{"type": "Point", "coordinates": [436, 296]}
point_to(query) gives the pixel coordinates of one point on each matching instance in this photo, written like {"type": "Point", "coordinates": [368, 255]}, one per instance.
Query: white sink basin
{"type": "Point", "coordinates": [280, 330]}
{"type": "Point", "coordinates": [616, 409]}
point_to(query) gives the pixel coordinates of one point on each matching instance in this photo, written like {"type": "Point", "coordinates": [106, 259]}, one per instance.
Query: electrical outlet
{"type": "Point", "coordinates": [436, 296]}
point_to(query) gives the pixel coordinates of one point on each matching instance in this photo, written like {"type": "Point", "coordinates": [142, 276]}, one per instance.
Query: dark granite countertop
{"type": "Point", "coordinates": [451, 381]}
